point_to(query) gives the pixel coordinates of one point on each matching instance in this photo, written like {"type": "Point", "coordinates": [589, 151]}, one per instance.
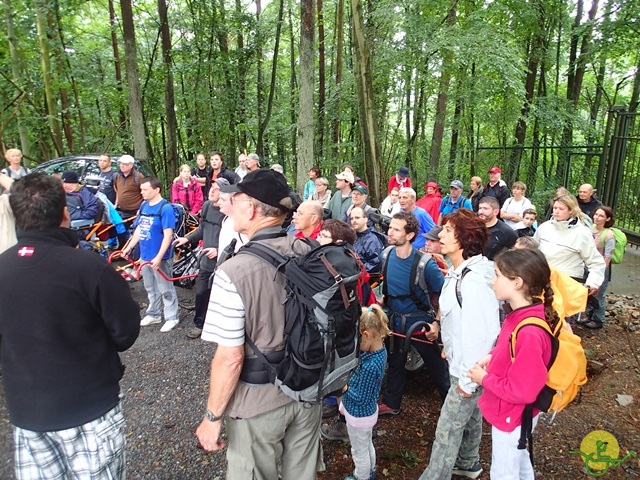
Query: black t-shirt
{"type": "Point", "coordinates": [501, 237]}
{"type": "Point", "coordinates": [203, 173]}
{"type": "Point", "coordinates": [106, 185]}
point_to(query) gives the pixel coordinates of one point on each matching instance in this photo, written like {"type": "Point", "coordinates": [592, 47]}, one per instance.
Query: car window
{"type": "Point", "coordinates": [77, 165]}
{"type": "Point", "coordinates": [92, 174]}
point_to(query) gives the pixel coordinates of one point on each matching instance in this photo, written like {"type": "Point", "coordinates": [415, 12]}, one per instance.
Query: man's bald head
{"type": "Point", "coordinates": [308, 216]}
{"type": "Point", "coordinates": [585, 192]}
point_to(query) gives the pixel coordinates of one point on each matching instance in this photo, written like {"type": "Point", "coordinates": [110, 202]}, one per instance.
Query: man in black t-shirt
{"type": "Point", "coordinates": [201, 172]}
{"type": "Point", "coordinates": [501, 235]}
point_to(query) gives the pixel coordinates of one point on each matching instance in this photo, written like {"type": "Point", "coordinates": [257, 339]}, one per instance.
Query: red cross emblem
{"type": "Point", "coordinates": [26, 251]}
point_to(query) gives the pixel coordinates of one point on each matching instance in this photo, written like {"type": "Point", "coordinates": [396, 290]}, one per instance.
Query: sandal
{"type": "Point", "coordinates": [593, 324]}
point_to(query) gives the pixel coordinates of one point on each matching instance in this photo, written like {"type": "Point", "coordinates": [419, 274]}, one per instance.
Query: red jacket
{"type": "Point", "coordinates": [189, 196]}
{"type": "Point", "coordinates": [393, 182]}
{"type": "Point", "coordinates": [431, 203]}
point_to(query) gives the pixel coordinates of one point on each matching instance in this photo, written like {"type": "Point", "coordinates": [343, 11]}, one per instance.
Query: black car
{"type": "Point", "coordinates": [86, 167]}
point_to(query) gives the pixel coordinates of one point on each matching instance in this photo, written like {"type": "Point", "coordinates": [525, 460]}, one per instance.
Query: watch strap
{"type": "Point", "coordinates": [211, 417]}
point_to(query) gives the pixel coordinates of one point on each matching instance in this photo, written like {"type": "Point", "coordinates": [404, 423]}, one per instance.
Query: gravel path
{"type": "Point", "coordinates": [165, 387]}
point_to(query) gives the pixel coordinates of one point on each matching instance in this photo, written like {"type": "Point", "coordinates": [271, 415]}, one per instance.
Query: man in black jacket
{"type": "Point", "coordinates": [60, 362]}
{"type": "Point", "coordinates": [209, 232]}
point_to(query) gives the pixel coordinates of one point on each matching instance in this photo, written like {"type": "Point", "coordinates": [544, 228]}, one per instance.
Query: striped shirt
{"type": "Point", "coordinates": [224, 323]}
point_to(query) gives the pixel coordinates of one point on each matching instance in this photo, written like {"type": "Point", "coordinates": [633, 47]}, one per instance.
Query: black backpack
{"type": "Point", "coordinates": [322, 316]}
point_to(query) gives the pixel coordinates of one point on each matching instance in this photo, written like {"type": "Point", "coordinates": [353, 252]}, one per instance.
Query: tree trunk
{"type": "Point", "coordinates": [242, 83]}
{"type": "Point", "coordinates": [274, 77]}
{"type": "Point", "coordinates": [321, 81]}
{"type": "Point", "coordinates": [116, 60]}
{"type": "Point", "coordinates": [305, 112]}
{"type": "Point", "coordinates": [338, 64]}
{"type": "Point", "coordinates": [52, 107]}
{"type": "Point", "coordinates": [366, 105]}
{"type": "Point", "coordinates": [441, 104]}
{"type": "Point", "coordinates": [292, 88]}
{"type": "Point", "coordinates": [171, 158]}
{"type": "Point", "coordinates": [133, 81]}
{"type": "Point", "coordinates": [259, 81]}
{"type": "Point", "coordinates": [25, 143]}
{"type": "Point", "coordinates": [55, 37]}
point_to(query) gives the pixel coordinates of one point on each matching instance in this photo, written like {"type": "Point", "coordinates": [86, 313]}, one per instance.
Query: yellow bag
{"type": "Point", "coordinates": [567, 366]}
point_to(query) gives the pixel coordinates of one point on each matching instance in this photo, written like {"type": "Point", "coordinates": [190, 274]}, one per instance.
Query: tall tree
{"type": "Point", "coordinates": [443, 98]}
{"type": "Point", "coordinates": [338, 86]}
{"type": "Point", "coordinates": [16, 75]}
{"type": "Point", "coordinates": [321, 81]}
{"type": "Point", "coordinates": [172, 123]}
{"type": "Point", "coordinates": [133, 81]}
{"type": "Point", "coordinates": [366, 105]}
{"type": "Point", "coordinates": [113, 21]}
{"type": "Point", "coordinates": [42, 12]}
{"type": "Point", "coordinates": [306, 87]}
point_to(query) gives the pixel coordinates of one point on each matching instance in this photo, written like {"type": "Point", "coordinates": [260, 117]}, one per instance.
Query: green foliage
{"type": "Point", "coordinates": [486, 48]}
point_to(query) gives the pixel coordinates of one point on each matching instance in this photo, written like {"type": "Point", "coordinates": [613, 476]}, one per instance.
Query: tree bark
{"type": "Point", "coordinates": [292, 88]}
{"type": "Point", "coordinates": [366, 105]}
{"type": "Point", "coordinates": [307, 72]}
{"type": "Point", "coordinates": [171, 157]}
{"type": "Point", "coordinates": [47, 80]}
{"type": "Point", "coordinates": [133, 81]}
{"type": "Point", "coordinates": [321, 81]}
{"type": "Point", "coordinates": [16, 75]}
{"type": "Point", "coordinates": [274, 77]}
{"type": "Point", "coordinates": [338, 64]}
{"type": "Point", "coordinates": [116, 60]}
{"type": "Point", "coordinates": [441, 104]}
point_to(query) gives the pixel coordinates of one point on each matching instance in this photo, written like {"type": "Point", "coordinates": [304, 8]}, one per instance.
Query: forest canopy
{"type": "Point", "coordinates": [448, 88]}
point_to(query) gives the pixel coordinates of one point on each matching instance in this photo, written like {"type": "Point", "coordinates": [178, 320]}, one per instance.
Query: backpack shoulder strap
{"type": "Point", "coordinates": [384, 261]}
{"type": "Point", "coordinates": [265, 253]}
{"type": "Point", "coordinates": [540, 323]}
{"type": "Point", "coordinates": [417, 273]}
{"type": "Point", "coordinates": [464, 272]}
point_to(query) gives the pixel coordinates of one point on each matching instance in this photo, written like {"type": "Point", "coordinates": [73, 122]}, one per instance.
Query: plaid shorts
{"type": "Point", "coordinates": [95, 450]}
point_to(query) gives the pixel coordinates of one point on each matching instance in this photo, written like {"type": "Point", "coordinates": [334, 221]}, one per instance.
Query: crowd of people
{"type": "Point", "coordinates": [450, 269]}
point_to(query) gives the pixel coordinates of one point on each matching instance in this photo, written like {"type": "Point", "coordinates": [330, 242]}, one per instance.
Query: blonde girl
{"type": "Point", "coordinates": [360, 398]}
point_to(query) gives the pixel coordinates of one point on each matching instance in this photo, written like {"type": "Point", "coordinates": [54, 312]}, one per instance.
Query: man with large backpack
{"type": "Point", "coordinates": [410, 299]}
{"type": "Point", "coordinates": [270, 435]}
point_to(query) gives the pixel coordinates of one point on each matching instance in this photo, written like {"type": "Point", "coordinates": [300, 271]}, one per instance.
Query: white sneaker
{"type": "Point", "coordinates": [168, 325]}
{"type": "Point", "coordinates": [149, 320]}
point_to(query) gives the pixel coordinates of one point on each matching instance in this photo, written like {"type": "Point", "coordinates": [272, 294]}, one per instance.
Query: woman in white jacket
{"type": "Point", "coordinates": [568, 244]}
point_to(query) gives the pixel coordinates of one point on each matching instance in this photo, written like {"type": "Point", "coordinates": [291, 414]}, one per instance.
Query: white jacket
{"type": "Point", "coordinates": [469, 332]}
{"type": "Point", "coordinates": [569, 246]}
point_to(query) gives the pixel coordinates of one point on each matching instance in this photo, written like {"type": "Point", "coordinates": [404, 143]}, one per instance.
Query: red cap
{"type": "Point", "coordinates": [495, 170]}
{"type": "Point", "coordinates": [432, 185]}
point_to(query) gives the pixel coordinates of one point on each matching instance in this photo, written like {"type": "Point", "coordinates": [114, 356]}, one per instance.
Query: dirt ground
{"type": "Point", "coordinates": [166, 384]}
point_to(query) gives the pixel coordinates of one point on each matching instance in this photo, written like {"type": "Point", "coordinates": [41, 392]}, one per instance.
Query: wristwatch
{"type": "Point", "coordinates": [211, 417]}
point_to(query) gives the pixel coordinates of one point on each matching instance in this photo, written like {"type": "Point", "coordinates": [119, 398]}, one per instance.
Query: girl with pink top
{"type": "Point", "coordinates": [523, 280]}
{"type": "Point", "coordinates": [187, 191]}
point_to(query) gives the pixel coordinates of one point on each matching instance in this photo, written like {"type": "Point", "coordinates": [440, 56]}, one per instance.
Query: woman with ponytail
{"type": "Point", "coordinates": [522, 280]}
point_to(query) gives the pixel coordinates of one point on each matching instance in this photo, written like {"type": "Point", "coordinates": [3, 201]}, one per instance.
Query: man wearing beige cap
{"type": "Point", "coordinates": [341, 200]}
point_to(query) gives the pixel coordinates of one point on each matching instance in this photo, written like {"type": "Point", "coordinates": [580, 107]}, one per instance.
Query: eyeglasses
{"type": "Point", "coordinates": [324, 235]}
{"type": "Point", "coordinates": [238, 200]}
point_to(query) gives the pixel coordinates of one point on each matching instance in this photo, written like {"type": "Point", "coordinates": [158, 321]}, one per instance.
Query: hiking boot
{"type": "Point", "coordinates": [384, 410]}
{"type": "Point", "coordinates": [473, 472]}
{"type": "Point", "coordinates": [329, 410]}
{"type": "Point", "coordinates": [337, 432]}
{"type": "Point", "coordinates": [168, 325]}
{"type": "Point", "coordinates": [150, 320]}
{"type": "Point", "coordinates": [194, 333]}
